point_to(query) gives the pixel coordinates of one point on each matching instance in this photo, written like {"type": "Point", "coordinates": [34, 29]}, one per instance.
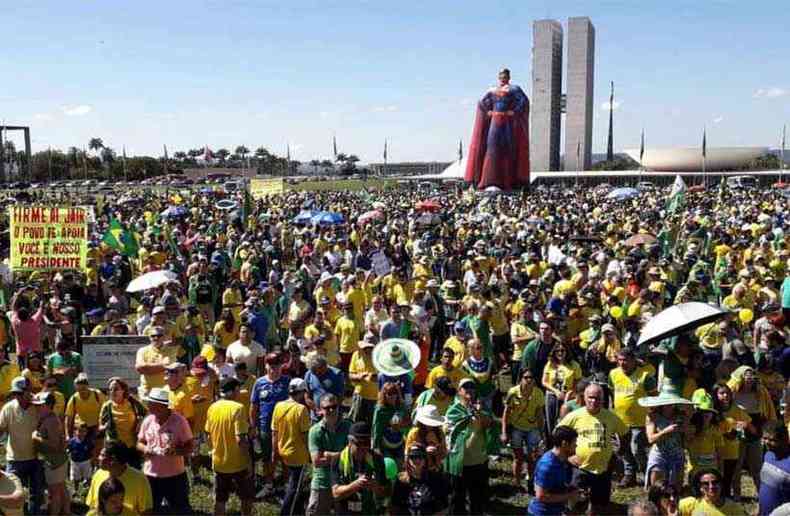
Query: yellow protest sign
{"type": "Point", "coordinates": [260, 188]}
{"type": "Point", "coordinates": [48, 238]}
{"type": "Point", "coordinates": [344, 185]}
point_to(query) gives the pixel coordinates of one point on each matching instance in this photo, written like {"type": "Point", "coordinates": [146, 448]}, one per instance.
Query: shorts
{"type": "Point", "coordinates": [55, 475]}
{"type": "Point", "coordinates": [239, 483]}
{"type": "Point", "coordinates": [529, 438]}
{"type": "Point", "coordinates": [599, 486]}
{"type": "Point", "coordinates": [81, 471]}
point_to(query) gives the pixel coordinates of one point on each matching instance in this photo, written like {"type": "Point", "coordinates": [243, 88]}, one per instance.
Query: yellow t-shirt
{"type": "Point", "coordinates": [455, 376]}
{"type": "Point", "coordinates": [367, 389]}
{"type": "Point", "coordinates": [594, 445]}
{"type": "Point", "coordinates": [150, 355]}
{"type": "Point", "coordinates": [85, 410]}
{"type": "Point", "coordinates": [181, 401]}
{"type": "Point", "coordinates": [356, 297]}
{"type": "Point", "coordinates": [731, 445]}
{"type": "Point", "coordinates": [628, 389]}
{"type": "Point", "coordinates": [8, 372]}
{"type": "Point", "coordinates": [137, 497]}
{"type": "Point", "coordinates": [60, 404]}
{"type": "Point", "coordinates": [562, 376]}
{"type": "Point", "coordinates": [291, 422]}
{"type": "Point", "coordinates": [245, 392]}
{"type": "Point", "coordinates": [524, 413]}
{"type": "Point", "coordinates": [125, 421]}
{"type": "Point", "coordinates": [226, 421]}
{"type": "Point", "coordinates": [498, 320]}
{"type": "Point", "coordinates": [347, 331]}
{"type": "Point", "coordinates": [225, 338]}
{"type": "Point", "coordinates": [458, 348]}
{"type": "Point", "coordinates": [704, 449]}
{"type": "Point", "coordinates": [518, 331]}
{"type": "Point", "coordinates": [698, 507]}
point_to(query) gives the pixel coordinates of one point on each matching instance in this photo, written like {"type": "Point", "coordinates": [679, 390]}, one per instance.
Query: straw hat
{"type": "Point", "coordinates": [665, 397]}
{"type": "Point", "coordinates": [395, 357]}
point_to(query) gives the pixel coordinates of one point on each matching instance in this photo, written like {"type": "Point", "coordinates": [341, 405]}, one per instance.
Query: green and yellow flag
{"type": "Point", "coordinates": [121, 239]}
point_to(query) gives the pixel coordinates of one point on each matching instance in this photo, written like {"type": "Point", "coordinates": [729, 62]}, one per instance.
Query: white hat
{"type": "Point", "coordinates": [297, 385]}
{"type": "Point", "coordinates": [429, 415]}
{"type": "Point", "coordinates": [158, 395]}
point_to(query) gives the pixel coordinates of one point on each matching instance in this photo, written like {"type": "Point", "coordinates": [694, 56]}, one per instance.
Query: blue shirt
{"type": "Point", "coordinates": [553, 475]}
{"type": "Point", "coordinates": [266, 395]}
{"type": "Point", "coordinates": [774, 483]}
{"type": "Point", "coordinates": [330, 382]}
{"type": "Point", "coordinates": [260, 326]}
{"type": "Point", "coordinates": [404, 381]}
{"type": "Point", "coordinates": [79, 451]}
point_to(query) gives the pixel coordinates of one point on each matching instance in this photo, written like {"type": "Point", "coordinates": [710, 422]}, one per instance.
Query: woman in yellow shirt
{"type": "Point", "coordinates": [226, 331]}
{"type": "Point", "coordinates": [734, 424]}
{"type": "Point", "coordinates": [559, 379]}
{"type": "Point", "coordinates": [363, 376]}
{"type": "Point", "coordinates": [120, 418]}
{"type": "Point", "coordinates": [705, 443]}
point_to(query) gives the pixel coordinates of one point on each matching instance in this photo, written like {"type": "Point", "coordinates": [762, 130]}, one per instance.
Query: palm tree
{"type": "Point", "coordinates": [327, 164]}
{"type": "Point", "coordinates": [180, 155]}
{"type": "Point", "coordinates": [222, 154]}
{"type": "Point", "coordinates": [242, 151]}
{"type": "Point", "coordinates": [95, 144]}
{"type": "Point", "coordinates": [315, 164]}
{"type": "Point", "coordinates": [194, 153]}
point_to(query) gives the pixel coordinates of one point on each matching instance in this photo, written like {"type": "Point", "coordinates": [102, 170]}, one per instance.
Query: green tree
{"type": "Point", "coordinates": [327, 165]}
{"type": "Point", "coordinates": [180, 155]}
{"type": "Point", "coordinates": [222, 154]}
{"type": "Point", "coordinates": [315, 164]}
{"type": "Point", "coordinates": [242, 151]}
{"type": "Point", "coordinates": [95, 144]}
{"type": "Point", "coordinates": [618, 163]}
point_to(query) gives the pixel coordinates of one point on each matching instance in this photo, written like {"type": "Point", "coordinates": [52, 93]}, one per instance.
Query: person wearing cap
{"type": "Point", "coordinates": [326, 439]}
{"type": "Point", "coordinates": [159, 319]}
{"type": "Point", "coordinates": [65, 364]}
{"type": "Point", "coordinates": [428, 432]}
{"type": "Point", "coordinates": [467, 425]}
{"type": "Point", "coordinates": [165, 440]}
{"type": "Point", "coordinates": [227, 427]}
{"type": "Point", "coordinates": [180, 395]}
{"type": "Point", "coordinates": [84, 406]}
{"type": "Point", "coordinates": [419, 489]}
{"type": "Point", "coordinates": [363, 376]}
{"type": "Point", "coordinates": [19, 419]}
{"type": "Point", "coordinates": [631, 381]}
{"type": "Point", "coordinates": [137, 497]}
{"type": "Point", "coordinates": [594, 447]}
{"type": "Point", "coordinates": [457, 343]}
{"type": "Point", "coordinates": [152, 359]}
{"type": "Point", "coordinates": [522, 423]}
{"type": "Point", "coordinates": [358, 476]}
{"type": "Point", "coordinates": [290, 424]}
{"type": "Point", "coordinates": [269, 390]}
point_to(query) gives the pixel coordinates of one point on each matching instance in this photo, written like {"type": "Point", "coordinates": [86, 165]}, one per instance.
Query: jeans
{"type": "Point", "coordinates": [31, 473]}
{"type": "Point", "coordinates": [173, 489]}
{"type": "Point", "coordinates": [293, 491]}
{"type": "Point", "coordinates": [474, 481]}
{"type": "Point", "coordinates": [634, 450]}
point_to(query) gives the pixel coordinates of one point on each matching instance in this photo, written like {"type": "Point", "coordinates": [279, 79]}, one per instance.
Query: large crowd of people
{"type": "Point", "coordinates": [388, 351]}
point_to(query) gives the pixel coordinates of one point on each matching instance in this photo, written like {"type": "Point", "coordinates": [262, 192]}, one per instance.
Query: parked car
{"type": "Point", "coordinates": [742, 182]}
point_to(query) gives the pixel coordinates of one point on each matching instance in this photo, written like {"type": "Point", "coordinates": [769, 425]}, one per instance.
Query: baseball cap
{"type": "Point", "coordinates": [158, 330]}
{"type": "Point", "coordinates": [159, 309]}
{"type": "Point", "coordinates": [467, 383]}
{"type": "Point", "coordinates": [297, 385]}
{"type": "Point", "coordinates": [360, 430]}
{"type": "Point", "coordinates": [228, 384]}
{"type": "Point", "coordinates": [43, 398]}
{"type": "Point", "coordinates": [81, 378]}
{"type": "Point", "coordinates": [19, 385]}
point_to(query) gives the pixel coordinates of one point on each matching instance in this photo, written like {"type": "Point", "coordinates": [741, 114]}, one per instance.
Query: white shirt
{"type": "Point", "coordinates": [249, 354]}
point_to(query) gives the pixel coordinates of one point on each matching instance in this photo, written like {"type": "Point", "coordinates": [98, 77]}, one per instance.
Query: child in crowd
{"type": "Point", "coordinates": [80, 449]}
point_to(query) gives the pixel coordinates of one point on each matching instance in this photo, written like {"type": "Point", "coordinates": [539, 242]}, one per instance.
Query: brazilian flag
{"type": "Point", "coordinates": [121, 239]}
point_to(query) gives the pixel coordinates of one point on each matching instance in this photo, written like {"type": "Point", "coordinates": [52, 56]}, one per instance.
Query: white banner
{"type": "Point", "coordinates": [112, 355]}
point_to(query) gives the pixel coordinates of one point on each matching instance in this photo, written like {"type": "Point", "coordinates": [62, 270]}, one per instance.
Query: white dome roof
{"type": "Point", "coordinates": [689, 159]}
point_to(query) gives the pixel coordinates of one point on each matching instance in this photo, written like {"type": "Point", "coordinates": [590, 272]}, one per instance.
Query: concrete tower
{"type": "Point", "coordinates": [545, 128]}
{"type": "Point", "coordinates": [579, 96]}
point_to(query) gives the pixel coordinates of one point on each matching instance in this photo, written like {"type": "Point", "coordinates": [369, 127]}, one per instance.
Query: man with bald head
{"type": "Point", "coordinates": [595, 427]}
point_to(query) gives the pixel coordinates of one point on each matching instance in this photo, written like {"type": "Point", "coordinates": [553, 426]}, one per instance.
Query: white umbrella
{"type": "Point", "coordinates": [678, 319]}
{"type": "Point", "coordinates": [151, 280]}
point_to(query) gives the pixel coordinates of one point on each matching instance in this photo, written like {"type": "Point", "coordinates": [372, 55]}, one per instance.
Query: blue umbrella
{"type": "Point", "coordinates": [327, 217]}
{"type": "Point", "coordinates": [623, 194]}
{"type": "Point", "coordinates": [305, 217]}
{"type": "Point", "coordinates": [174, 212]}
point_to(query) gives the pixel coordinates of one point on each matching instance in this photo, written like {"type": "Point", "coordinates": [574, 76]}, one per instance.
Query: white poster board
{"type": "Point", "coordinates": [106, 356]}
{"type": "Point", "coordinates": [381, 264]}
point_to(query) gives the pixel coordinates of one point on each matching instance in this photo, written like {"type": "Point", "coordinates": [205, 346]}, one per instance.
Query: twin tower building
{"type": "Point", "coordinates": [548, 102]}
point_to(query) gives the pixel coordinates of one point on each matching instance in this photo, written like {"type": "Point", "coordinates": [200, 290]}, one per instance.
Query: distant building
{"type": "Point", "coordinates": [579, 98]}
{"type": "Point", "coordinates": [545, 106]}
{"type": "Point", "coordinates": [409, 168]}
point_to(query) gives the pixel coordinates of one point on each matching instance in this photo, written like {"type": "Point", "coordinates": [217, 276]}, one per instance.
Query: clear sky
{"type": "Point", "coordinates": [225, 73]}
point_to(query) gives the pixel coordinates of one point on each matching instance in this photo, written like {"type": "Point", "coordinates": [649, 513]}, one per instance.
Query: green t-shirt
{"type": "Point", "coordinates": [321, 439]}
{"type": "Point", "coordinates": [65, 382]}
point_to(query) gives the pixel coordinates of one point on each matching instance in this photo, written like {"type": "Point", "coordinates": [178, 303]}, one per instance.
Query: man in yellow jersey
{"type": "Point", "coordinates": [594, 448]}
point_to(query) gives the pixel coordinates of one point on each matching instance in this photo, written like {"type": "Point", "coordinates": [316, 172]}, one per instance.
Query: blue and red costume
{"type": "Point", "coordinates": [499, 148]}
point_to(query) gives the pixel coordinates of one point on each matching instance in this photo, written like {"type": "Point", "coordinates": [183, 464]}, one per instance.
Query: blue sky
{"type": "Point", "coordinates": [185, 74]}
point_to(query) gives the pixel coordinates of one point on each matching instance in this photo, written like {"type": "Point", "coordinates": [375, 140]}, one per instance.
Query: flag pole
{"type": "Point", "coordinates": [385, 157]}
{"type": "Point", "coordinates": [125, 173]}
{"type": "Point", "coordinates": [641, 153]}
{"type": "Point", "coordinates": [49, 164]}
{"type": "Point", "coordinates": [704, 157]}
{"type": "Point", "coordinates": [782, 157]}
{"type": "Point", "coordinates": [578, 163]}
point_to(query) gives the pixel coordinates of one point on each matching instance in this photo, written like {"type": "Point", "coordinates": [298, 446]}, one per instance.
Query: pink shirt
{"type": "Point", "coordinates": [28, 333]}
{"type": "Point", "coordinates": [174, 432]}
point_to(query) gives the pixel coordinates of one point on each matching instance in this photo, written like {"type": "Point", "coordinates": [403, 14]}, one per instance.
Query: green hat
{"type": "Point", "coordinates": [703, 401]}
{"type": "Point", "coordinates": [667, 396]}
{"type": "Point", "coordinates": [395, 357]}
